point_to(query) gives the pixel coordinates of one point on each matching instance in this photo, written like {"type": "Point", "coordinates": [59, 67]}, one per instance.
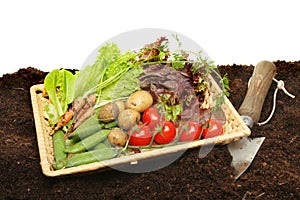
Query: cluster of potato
{"type": "Point", "coordinates": [127, 114]}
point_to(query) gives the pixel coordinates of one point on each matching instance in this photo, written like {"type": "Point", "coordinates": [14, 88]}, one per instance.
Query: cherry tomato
{"type": "Point", "coordinates": [213, 128]}
{"type": "Point", "coordinates": [151, 117]}
{"type": "Point", "coordinates": [140, 135]}
{"type": "Point", "coordinates": [189, 131]}
{"type": "Point", "coordinates": [167, 133]}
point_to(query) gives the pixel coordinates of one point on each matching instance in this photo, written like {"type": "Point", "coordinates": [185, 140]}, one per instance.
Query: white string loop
{"type": "Point", "coordinates": [280, 86]}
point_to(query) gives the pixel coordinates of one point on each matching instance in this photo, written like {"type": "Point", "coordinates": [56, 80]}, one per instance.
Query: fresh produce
{"type": "Point", "coordinates": [121, 105]}
{"type": "Point", "coordinates": [139, 101]}
{"type": "Point", "coordinates": [172, 92]}
{"type": "Point", "coordinates": [88, 143]}
{"type": "Point", "coordinates": [90, 78]}
{"type": "Point", "coordinates": [58, 148]}
{"type": "Point", "coordinates": [91, 156]}
{"type": "Point", "coordinates": [103, 144]}
{"type": "Point", "coordinates": [109, 112]}
{"type": "Point", "coordinates": [117, 137]}
{"type": "Point", "coordinates": [82, 109]}
{"type": "Point", "coordinates": [69, 142]}
{"type": "Point", "coordinates": [64, 120]}
{"type": "Point", "coordinates": [152, 118]}
{"type": "Point", "coordinates": [59, 85]}
{"type": "Point", "coordinates": [127, 83]}
{"type": "Point", "coordinates": [140, 135]}
{"type": "Point", "coordinates": [189, 131]}
{"type": "Point", "coordinates": [128, 118]}
{"type": "Point", "coordinates": [212, 128]}
{"type": "Point", "coordinates": [85, 112]}
{"type": "Point", "coordinates": [67, 116]}
{"type": "Point", "coordinates": [166, 134]}
{"type": "Point", "coordinates": [87, 128]}
{"type": "Point", "coordinates": [147, 98]}
{"type": "Point", "coordinates": [111, 125]}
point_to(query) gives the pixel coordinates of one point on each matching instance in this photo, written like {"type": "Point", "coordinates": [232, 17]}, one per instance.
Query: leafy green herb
{"type": "Point", "coordinates": [169, 105]}
{"type": "Point", "coordinates": [210, 69]}
{"type": "Point", "coordinates": [173, 112]}
{"type": "Point", "coordinates": [225, 82]}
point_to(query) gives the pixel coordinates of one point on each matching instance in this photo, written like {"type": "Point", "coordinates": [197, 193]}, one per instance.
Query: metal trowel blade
{"type": "Point", "coordinates": [243, 152]}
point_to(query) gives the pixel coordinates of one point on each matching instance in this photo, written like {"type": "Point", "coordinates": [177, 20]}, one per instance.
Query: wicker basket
{"type": "Point", "coordinates": [234, 129]}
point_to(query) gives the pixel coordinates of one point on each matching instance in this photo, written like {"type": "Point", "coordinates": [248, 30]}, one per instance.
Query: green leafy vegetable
{"type": "Point", "coordinates": [51, 114]}
{"type": "Point", "coordinates": [115, 75]}
{"type": "Point", "coordinates": [90, 77]}
{"type": "Point", "coordinates": [170, 107]}
{"type": "Point", "coordinates": [121, 63]}
{"type": "Point", "coordinates": [103, 76]}
{"type": "Point", "coordinates": [125, 86]}
{"type": "Point", "coordinates": [59, 85]}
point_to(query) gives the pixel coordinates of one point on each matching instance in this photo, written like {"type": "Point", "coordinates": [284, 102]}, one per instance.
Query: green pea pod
{"type": "Point", "coordinates": [58, 165]}
{"type": "Point", "coordinates": [58, 148]}
{"type": "Point", "coordinates": [87, 128]}
{"type": "Point", "coordinates": [91, 156]}
{"type": "Point", "coordinates": [70, 142]}
{"type": "Point", "coordinates": [101, 145]}
{"type": "Point", "coordinates": [106, 141]}
{"type": "Point", "coordinates": [88, 143]}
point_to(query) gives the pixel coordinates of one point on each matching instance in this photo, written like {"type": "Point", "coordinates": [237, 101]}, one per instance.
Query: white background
{"type": "Point", "coordinates": [62, 33]}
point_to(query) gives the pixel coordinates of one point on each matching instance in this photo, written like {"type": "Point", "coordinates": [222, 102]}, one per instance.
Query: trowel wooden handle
{"type": "Point", "coordinates": [260, 83]}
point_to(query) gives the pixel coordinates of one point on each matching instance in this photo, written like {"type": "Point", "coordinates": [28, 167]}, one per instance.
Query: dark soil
{"type": "Point", "coordinates": [274, 174]}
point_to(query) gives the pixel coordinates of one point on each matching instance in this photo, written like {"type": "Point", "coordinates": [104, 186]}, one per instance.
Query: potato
{"type": "Point", "coordinates": [117, 137]}
{"type": "Point", "coordinates": [128, 118]}
{"type": "Point", "coordinates": [121, 105]}
{"type": "Point", "coordinates": [108, 112]}
{"type": "Point", "coordinates": [139, 100]}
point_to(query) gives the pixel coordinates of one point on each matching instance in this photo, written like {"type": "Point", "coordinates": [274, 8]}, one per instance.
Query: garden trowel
{"type": "Point", "coordinates": [243, 151]}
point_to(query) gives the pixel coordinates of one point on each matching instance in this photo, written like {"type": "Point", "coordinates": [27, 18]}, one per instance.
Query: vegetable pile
{"type": "Point", "coordinates": [126, 102]}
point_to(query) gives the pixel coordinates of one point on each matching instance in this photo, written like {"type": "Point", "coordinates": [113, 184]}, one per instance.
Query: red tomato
{"type": "Point", "coordinates": [140, 135]}
{"type": "Point", "coordinates": [189, 131]}
{"type": "Point", "coordinates": [214, 128]}
{"type": "Point", "coordinates": [151, 117]}
{"type": "Point", "coordinates": [167, 133]}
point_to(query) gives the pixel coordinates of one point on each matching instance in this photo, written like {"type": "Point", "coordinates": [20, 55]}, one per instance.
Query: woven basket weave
{"type": "Point", "coordinates": [234, 129]}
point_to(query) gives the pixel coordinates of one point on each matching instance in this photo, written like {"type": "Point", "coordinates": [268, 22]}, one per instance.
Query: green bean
{"type": "Point", "coordinates": [58, 148]}
{"type": "Point", "coordinates": [88, 143]}
{"type": "Point", "coordinates": [87, 128]}
{"type": "Point", "coordinates": [91, 156]}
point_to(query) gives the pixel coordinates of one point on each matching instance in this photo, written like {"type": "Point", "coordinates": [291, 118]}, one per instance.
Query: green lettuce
{"type": "Point", "coordinates": [92, 75]}
{"type": "Point", "coordinates": [121, 63]}
{"type": "Point", "coordinates": [59, 85]}
{"type": "Point", "coordinates": [112, 76]}
{"type": "Point", "coordinates": [125, 86]}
